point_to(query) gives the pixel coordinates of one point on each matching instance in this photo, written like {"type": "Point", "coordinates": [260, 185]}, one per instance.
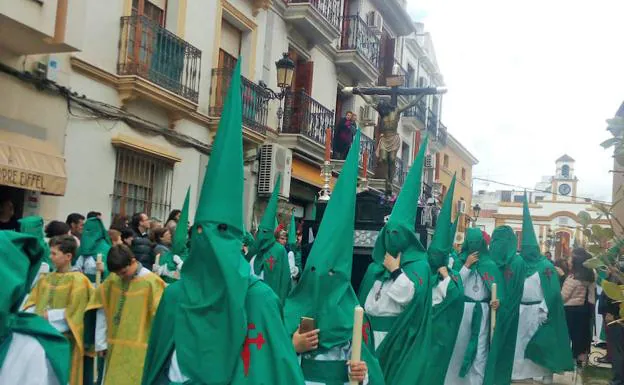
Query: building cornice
{"type": "Point", "coordinates": [461, 150]}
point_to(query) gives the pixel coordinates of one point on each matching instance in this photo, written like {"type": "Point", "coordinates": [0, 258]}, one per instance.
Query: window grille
{"type": "Point", "coordinates": [142, 184]}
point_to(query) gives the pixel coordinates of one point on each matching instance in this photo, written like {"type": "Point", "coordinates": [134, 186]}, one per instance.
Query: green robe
{"type": "Point", "coordinates": [273, 262]}
{"type": "Point", "coordinates": [446, 318]}
{"type": "Point", "coordinates": [503, 345]}
{"type": "Point", "coordinates": [267, 345]}
{"type": "Point", "coordinates": [550, 346]}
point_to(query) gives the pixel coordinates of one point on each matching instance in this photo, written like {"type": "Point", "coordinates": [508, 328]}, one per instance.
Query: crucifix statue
{"type": "Point", "coordinates": [390, 113]}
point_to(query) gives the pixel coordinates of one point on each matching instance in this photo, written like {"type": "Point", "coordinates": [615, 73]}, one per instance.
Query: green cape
{"type": "Point", "coordinates": [271, 256]}
{"type": "Point", "coordinates": [446, 316]}
{"type": "Point", "coordinates": [550, 346]}
{"type": "Point", "coordinates": [404, 352]}
{"type": "Point", "coordinates": [22, 256]}
{"type": "Point", "coordinates": [34, 226]}
{"type": "Point", "coordinates": [503, 248]}
{"type": "Point", "coordinates": [95, 240]}
{"type": "Point", "coordinates": [324, 291]}
{"type": "Point", "coordinates": [179, 241]}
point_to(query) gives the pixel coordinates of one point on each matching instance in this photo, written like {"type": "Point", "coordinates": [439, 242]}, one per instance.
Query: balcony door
{"type": "Point", "coordinates": [298, 114]}
{"type": "Point", "coordinates": [148, 18]}
{"type": "Point", "coordinates": [229, 51]}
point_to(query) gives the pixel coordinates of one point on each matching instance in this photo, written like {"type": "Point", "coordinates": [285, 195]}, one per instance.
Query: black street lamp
{"type": "Point", "coordinates": [285, 71]}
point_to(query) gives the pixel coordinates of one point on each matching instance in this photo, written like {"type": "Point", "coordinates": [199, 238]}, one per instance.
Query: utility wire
{"type": "Point", "coordinates": [588, 200]}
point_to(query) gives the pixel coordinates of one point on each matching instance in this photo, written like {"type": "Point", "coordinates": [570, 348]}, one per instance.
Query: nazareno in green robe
{"type": "Point", "coordinates": [512, 267]}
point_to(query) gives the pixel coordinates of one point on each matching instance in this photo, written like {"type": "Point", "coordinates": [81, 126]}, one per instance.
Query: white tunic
{"type": "Point", "coordinates": [393, 299]}
{"type": "Point", "coordinates": [475, 289]}
{"type": "Point", "coordinates": [531, 317]}
{"type": "Point", "coordinates": [36, 370]}
{"type": "Point", "coordinates": [439, 291]}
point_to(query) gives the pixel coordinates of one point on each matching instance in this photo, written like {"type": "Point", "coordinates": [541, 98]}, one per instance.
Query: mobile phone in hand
{"type": "Point", "coordinates": [306, 325]}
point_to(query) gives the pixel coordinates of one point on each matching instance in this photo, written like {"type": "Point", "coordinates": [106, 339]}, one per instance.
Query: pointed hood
{"type": "Point", "coordinates": [268, 224]}
{"type": "Point", "coordinates": [22, 256]}
{"type": "Point", "coordinates": [33, 225]}
{"type": "Point", "coordinates": [529, 248]}
{"type": "Point", "coordinates": [474, 242]}
{"type": "Point", "coordinates": [324, 291]}
{"type": "Point", "coordinates": [180, 238]}
{"type": "Point", "coordinates": [503, 245]}
{"type": "Point", "coordinates": [211, 324]}
{"type": "Point", "coordinates": [442, 241]}
{"type": "Point", "coordinates": [398, 235]}
{"type": "Point", "coordinates": [95, 238]}
{"type": "Point", "coordinates": [292, 230]}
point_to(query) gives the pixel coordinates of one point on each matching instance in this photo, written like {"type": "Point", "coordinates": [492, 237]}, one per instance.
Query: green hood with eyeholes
{"type": "Point", "coordinates": [442, 242]}
{"type": "Point", "coordinates": [503, 245]}
{"type": "Point", "coordinates": [398, 235]}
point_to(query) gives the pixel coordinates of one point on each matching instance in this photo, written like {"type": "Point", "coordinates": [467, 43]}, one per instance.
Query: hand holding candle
{"type": "Point", "coordinates": [493, 313]}
{"type": "Point", "coordinates": [356, 342]}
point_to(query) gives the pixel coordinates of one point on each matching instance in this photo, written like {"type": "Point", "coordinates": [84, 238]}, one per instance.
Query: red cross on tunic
{"type": "Point", "coordinates": [548, 273]}
{"type": "Point", "coordinates": [271, 261]}
{"type": "Point", "coordinates": [246, 353]}
{"type": "Point", "coordinates": [488, 277]}
{"type": "Point", "coordinates": [508, 273]}
{"type": "Point", "coordinates": [365, 329]}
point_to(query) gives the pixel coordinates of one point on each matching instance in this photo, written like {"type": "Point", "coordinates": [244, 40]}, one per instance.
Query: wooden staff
{"type": "Point", "coordinates": [356, 344]}
{"type": "Point", "coordinates": [98, 280]}
{"type": "Point", "coordinates": [493, 314]}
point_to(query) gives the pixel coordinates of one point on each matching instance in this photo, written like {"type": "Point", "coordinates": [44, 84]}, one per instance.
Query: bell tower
{"type": "Point", "coordinates": [564, 182]}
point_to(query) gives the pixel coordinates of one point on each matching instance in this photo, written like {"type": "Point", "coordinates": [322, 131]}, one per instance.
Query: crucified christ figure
{"type": "Point", "coordinates": [389, 140]}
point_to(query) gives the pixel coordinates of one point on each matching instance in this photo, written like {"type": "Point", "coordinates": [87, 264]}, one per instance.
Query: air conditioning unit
{"type": "Point", "coordinates": [429, 161]}
{"type": "Point", "coordinates": [461, 206]}
{"type": "Point", "coordinates": [274, 160]}
{"type": "Point", "coordinates": [374, 21]}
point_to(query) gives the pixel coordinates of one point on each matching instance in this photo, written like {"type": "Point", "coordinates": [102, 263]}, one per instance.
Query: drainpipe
{"type": "Point", "coordinates": [60, 26]}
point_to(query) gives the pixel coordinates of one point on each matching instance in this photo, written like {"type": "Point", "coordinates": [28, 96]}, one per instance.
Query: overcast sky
{"type": "Point", "coordinates": [529, 81]}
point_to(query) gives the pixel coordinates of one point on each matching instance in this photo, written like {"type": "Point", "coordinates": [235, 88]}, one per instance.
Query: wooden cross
{"type": "Point", "coordinates": [246, 353]}
{"type": "Point", "coordinates": [271, 262]}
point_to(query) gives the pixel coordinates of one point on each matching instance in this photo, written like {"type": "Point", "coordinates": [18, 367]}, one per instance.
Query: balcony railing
{"type": "Point", "coordinates": [356, 35]}
{"type": "Point", "coordinates": [401, 72]}
{"type": "Point", "coordinates": [306, 116]}
{"type": "Point", "coordinates": [255, 99]}
{"type": "Point", "coordinates": [427, 192]}
{"type": "Point", "coordinates": [150, 51]}
{"type": "Point", "coordinates": [419, 111]}
{"type": "Point", "coordinates": [442, 134]}
{"type": "Point", "coordinates": [432, 123]}
{"type": "Point", "coordinates": [330, 9]}
{"type": "Point", "coordinates": [367, 144]}
{"type": "Point", "coordinates": [399, 172]}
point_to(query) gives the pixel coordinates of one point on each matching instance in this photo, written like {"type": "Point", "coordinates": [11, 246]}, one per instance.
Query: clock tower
{"type": "Point", "coordinates": [564, 182]}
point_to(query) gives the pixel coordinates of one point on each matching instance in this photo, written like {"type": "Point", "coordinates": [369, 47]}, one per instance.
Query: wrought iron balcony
{"type": "Point", "coordinates": [399, 172]}
{"type": "Point", "coordinates": [150, 51]}
{"type": "Point", "coordinates": [442, 134]}
{"type": "Point", "coordinates": [306, 116]}
{"type": "Point", "coordinates": [255, 99]}
{"type": "Point", "coordinates": [432, 123]}
{"type": "Point", "coordinates": [401, 72]}
{"type": "Point", "coordinates": [356, 35]}
{"type": "Point", "coordinates": [427, 192]}
{"type": "Point", "coordinates": [329, 9]}
{"type": "Point", "coordinates": [419, 111]}
{"type": "Point", "coordinates": [367, 144]}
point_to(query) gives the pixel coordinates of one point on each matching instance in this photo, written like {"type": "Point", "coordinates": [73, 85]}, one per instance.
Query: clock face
{"type": "Point", "coordinates": [565, 189]}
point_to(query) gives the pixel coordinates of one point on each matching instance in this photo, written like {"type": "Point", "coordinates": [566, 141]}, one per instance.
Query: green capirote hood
{"type": "Point", "coordinates": [94, 238]}
{"type": "Point", "coordinates": [22, 257]}
{"type": "Point", "coordinates": [324, 291]}
{"type": "Point", "coordinates": [503, 245]}
{"type": "Point", "coordinates": [529, 248]}
{"type": "Point", "coordinates": [441, 244]}
{"type": "Point", "coordinates": [398, 235]}
{"type": "Point", "coordinates": [265, 238]}
{"type": "Point", "coordinates": [211, 323]}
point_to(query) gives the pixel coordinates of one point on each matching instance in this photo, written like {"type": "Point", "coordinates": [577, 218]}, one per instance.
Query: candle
{"type": "Point", "coordinates": [365, 166]}
{"type": "Point", "coordinates": [328, 144]}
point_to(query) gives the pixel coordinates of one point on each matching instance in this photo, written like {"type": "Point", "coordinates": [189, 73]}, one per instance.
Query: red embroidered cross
{"type": "Point", "coordinates": [420, 281]}
{"type": "Point", "coordinates": [488, 277]}
{"type": "Point", "coordinates": [246, 353]}
{"type": "Point", "coordinates": [271, 262]}
{"type": "Point", "coordinates": [365, 327]}
{"type": "Point", "coordinates": [508, 273]}
{"type": "Point", "coordinates": [548, 272]}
